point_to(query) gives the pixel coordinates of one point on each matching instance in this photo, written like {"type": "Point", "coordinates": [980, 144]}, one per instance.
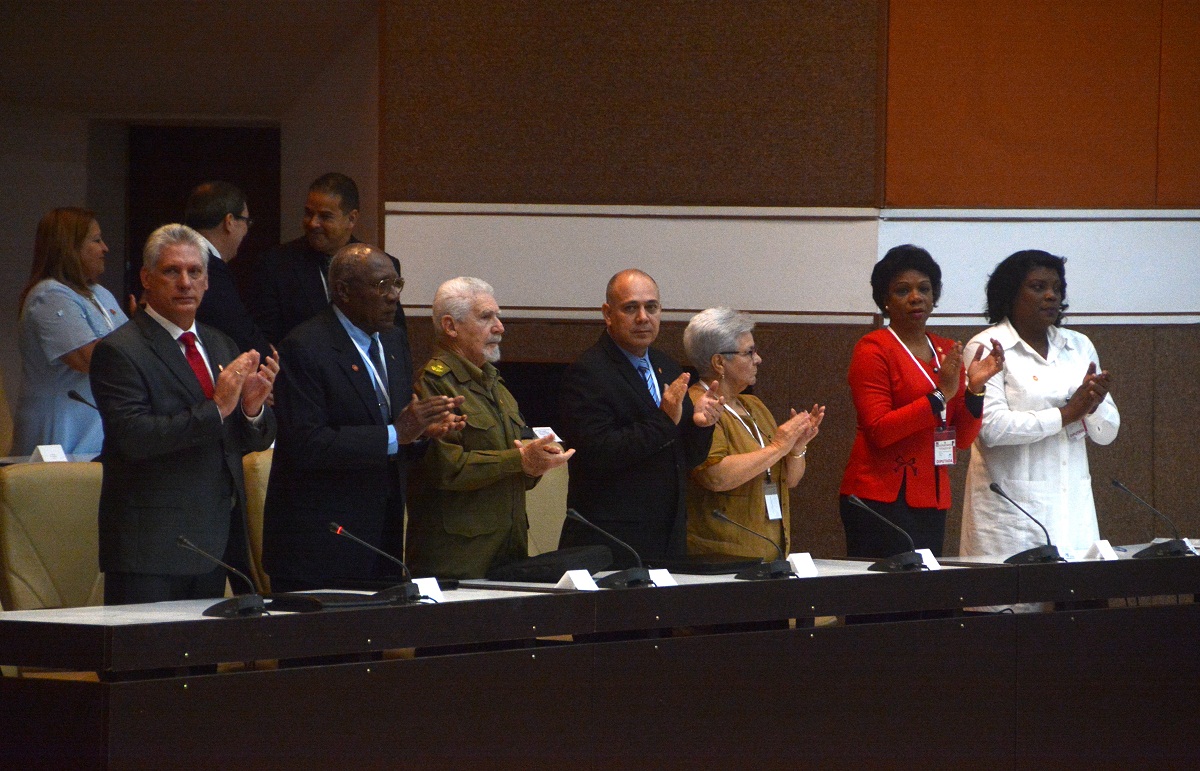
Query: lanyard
{"type": "Point", "coordinates": [103, 313]}
{"type": "Point", "coordinates": [753, 432]}
{"type": "Point", "coordinates": [936, 363]}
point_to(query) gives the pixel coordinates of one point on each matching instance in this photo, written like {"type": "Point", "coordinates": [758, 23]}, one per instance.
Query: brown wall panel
{"type": "Point", "coordinates": [1154, 385]}
{"type": "Point", "coordinates": [632, 102]}
{"type": "Point", "coordinates": [1179, 120]}
{"type": "Point", "coordinates": [1022, 103]}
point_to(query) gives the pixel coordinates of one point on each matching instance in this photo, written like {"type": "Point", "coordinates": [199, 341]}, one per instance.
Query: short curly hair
{"type": "Point", "coordinates": [897, 260]}
{"type": "Point", "coordinates": [1006, 280]}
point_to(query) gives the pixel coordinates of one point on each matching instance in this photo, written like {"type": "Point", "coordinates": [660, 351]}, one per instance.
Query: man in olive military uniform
{"type": "Point", "coordinates": [466, 506]}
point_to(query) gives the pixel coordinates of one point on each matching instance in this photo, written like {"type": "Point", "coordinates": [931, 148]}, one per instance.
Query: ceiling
{"type": "Point", "coordinates": [219, 58]}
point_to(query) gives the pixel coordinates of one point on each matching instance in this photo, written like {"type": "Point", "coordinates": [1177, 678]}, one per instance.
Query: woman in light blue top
{"type": "Point", "coordinates": [64, 312]}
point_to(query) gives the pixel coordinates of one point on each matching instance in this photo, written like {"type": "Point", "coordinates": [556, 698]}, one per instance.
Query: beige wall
{"type": "Point", "coordinates": [51, 158]}
{"type": "Point", "coordinates": [334, 126]}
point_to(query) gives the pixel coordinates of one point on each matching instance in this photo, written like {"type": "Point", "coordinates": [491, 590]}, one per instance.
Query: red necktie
{"type": "Point", "coordinates": [196, 361]}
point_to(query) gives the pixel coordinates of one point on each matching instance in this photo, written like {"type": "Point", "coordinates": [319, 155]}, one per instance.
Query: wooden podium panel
{"type": "Point", "coordinates": [476, 711]}
{"type": "Point", "coordinates": [1101, 688]}
{"type": "Point", "coordinates": [868, 695]}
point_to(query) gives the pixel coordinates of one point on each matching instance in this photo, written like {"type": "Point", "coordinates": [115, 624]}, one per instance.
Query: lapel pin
{"type": "Point", "coordinates": [354, 367]}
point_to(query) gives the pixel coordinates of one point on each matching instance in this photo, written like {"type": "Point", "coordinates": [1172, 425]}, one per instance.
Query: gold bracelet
{"type": "Point", "coordinates": [801, 454]}
{"type": "Point", "coordinates": [972, 393]}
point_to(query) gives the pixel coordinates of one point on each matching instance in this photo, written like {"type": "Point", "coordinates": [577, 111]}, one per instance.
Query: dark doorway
{"type": "Point", "coordinates": [166, 162]}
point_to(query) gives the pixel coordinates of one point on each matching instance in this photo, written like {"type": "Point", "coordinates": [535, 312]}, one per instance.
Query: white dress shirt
{"type": "Point", "coordinates": [1024, 447]}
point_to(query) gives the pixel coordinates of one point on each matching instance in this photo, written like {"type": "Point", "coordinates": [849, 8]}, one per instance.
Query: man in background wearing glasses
{"type": "Point", "coordinates": [219, 213]}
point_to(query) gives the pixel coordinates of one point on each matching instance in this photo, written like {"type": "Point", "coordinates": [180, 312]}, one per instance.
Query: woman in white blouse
{"type": "Point", "coordinates": [1038, 415]}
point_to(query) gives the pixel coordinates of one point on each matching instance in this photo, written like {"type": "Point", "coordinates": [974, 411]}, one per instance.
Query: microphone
{"type": "Point", "coordinates": [622, 579]}
{"type": "Point", "coordinates": [1047, 553]}
{"type": "Point", "coordinates": [776, 568]}
{"type": "Point", "coordinates": [897, 563]}
{"type": "Point", "coordinates": [1176, 547]}
{"type": "Point", "coordinates": [401, 593]}
{"type": "Point", "coordinates": [236, 606]}
{"type": "Point", "coordinates": [75, 396]}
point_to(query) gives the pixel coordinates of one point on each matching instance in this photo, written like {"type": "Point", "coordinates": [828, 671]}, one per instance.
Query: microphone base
{"type": "Point", "coordinates": [1036, 556]}
{"type": "Point", "coordinates": [899, 563]}
{"type": "Point", "coordinates": [766, 571]}
{"type": "Point", "coordinates": [241, 606]}
{"type": "Point", "coordinates": [406, 593]}
{"type": "Point", "coordinates": [1176, 547]}
{"type": "Point", "coordinates": [626, 579]}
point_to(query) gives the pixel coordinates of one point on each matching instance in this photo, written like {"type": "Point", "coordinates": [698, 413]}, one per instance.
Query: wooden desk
{"type": "Point", "coordinates": [958, 690]}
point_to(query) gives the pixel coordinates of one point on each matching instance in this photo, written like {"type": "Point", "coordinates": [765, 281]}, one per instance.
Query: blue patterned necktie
{"type": "Point", "coordinates": [649, 378]}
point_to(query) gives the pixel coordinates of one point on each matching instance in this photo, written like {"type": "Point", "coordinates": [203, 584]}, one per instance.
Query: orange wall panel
{"type": "Point", "coordinates": [1179, 120]}
{"type": "Point", "coordinates": [1022, 104]}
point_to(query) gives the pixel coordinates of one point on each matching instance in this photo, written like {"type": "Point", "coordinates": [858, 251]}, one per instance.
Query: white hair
{"type": "Point", "coordinates": [711, 332]}
{"type": "Point", "coordinates": [172, 235]}
{"type": "Point", "coordinates": [455, 297]}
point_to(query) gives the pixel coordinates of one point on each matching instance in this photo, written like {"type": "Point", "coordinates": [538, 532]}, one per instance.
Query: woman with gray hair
{"type": "Point", "coordinates": [752, 462]}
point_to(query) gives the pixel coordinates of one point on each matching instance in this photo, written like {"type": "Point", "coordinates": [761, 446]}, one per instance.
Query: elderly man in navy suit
{"type": "Point", "coordinates": [180, 406]}
{"type": "Point", "coordinates": [349, 427]}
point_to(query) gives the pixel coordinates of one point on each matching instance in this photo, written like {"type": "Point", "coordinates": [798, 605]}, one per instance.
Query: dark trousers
{"type": "Point", "coordinates": [868, 538]}
{"type": "Point", "coordinates": [134, 588]}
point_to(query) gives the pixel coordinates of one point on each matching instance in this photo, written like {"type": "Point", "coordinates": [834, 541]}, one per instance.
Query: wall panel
{"type": "Point", "coordinates": [1022, 103]}
{"type": "Point", "coordinates": [1179, 119]}
{"type": "Point", "coordinates": [632, 101]}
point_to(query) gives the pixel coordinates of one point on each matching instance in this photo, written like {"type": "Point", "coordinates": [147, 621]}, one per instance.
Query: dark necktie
{"type": "Point", "coordinates": [649, 378]}
{"type": "Point", "coordinates": [380, 392]}
{"type": "Point", "coordinates": [196, 362]}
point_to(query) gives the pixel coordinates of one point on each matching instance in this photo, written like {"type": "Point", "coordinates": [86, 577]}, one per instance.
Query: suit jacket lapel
{"type": "Point", "coordinates": [351, 362]}
{"type": "Point", "coordinates": [167, 350]}
{"type": "Point", "coordinates": [630, 373]}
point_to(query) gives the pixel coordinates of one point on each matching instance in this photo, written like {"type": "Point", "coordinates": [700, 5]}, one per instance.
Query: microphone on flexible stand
{"type": "Point", "coordinates": [776, 568]}
{"type": "Point", "coordinates": [1176, 547]}
{"type": "Point", "coordinates": [75, 396]}
{"type": "Point", "coordinates": [241, 605]}
{"type": "Point", "coordinates": [622, 579]}
{"type": "Point", "coordinates": [1046, 553]}
{"type": "Point", "coordinates": [400, 594]}
{"type": "Point", "coordinates": [897, 563]}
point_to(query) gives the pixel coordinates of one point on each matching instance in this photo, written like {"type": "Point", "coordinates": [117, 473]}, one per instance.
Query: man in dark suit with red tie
{"type": "Point", "coordinates": [626, 412]}
{"type": "Point", "coordinates": [180, 406]}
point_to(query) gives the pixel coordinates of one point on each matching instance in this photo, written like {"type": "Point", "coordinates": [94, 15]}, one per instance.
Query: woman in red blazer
{"type": "Point", "coordinates": [915, 407]}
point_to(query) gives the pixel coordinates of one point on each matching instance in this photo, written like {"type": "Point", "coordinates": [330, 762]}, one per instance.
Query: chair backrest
{"type": "Point", "coordinates": [49, 537]}
{"type": "Point", "coordinates": [257, 468]}
{"type": "Point", "coordinates": [546, 505]}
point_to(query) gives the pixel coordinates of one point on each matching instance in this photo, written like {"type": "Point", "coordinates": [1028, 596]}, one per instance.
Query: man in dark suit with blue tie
{"type": "Point", "coordinates": [180, 407]}
{"type": "Point", "coordinates": [626, 412]}
{"type": "Point", "coordinates": [349, 426]}
{"type": "Point", "coordinates": [218, 211]}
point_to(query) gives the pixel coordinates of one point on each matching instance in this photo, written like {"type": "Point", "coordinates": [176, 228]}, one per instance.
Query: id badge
{"type": "Point", "coordinates": [771, 492]}
{"type": "Point", "coordinates": [943, 446]}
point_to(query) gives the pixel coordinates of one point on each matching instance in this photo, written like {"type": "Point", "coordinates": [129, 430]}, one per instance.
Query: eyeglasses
{"type": "Point", "coordinates": [248, 220]}
{"type": "Point", "coordinates": [388, 285]}
{"type": "Point", "coordinates": [748, 353]}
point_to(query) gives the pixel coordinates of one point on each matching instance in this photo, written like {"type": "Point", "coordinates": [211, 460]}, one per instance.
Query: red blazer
{"type": "Point", "coordinates": [896, 424]}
